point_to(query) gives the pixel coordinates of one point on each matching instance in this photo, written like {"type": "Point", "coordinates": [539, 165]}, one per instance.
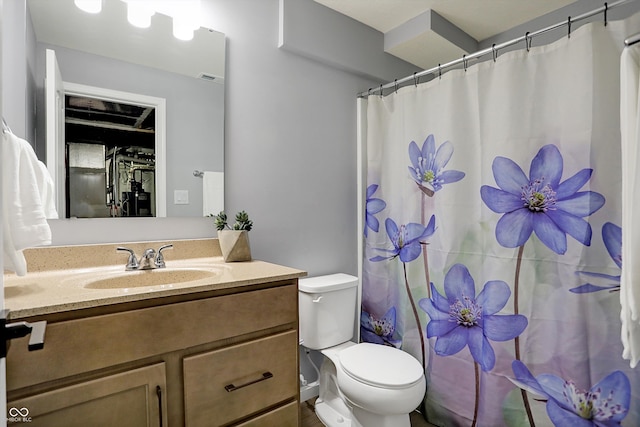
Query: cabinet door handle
{"type": "Point", "coordinates": [159, 394]}
{"type": "Point", "coordinates": [265, 376]}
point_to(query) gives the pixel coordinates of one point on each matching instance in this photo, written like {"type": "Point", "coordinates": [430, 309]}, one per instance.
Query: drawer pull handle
{"type": "Point", "coordinates": [159, 394]}
{"type": "Point", "coordinates": [265, 376]}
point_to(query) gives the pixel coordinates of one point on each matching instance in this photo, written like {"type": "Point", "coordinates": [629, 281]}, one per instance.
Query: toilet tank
{"type": "Point", "coordinates": [327, 308]}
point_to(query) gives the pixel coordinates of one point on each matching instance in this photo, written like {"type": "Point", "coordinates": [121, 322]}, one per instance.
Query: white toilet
{"type": "Point", "coordinates": [361, 385]}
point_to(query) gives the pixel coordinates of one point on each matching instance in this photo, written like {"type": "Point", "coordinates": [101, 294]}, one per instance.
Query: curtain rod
{"type": "Point", "coordinates": [437, 71]}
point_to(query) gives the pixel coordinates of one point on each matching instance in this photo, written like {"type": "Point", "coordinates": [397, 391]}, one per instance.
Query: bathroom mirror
{"type": "Point", "coordinates": [103, 53]}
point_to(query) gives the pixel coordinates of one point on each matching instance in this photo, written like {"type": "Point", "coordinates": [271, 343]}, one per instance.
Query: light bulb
{"type": "Point", "coordinates": [186, 16]}
{"type": "Point", "coordinates": [182, 29]}
{"type": "Point", "coordinates": [139, 13]}
{"type": "Point", "coordinates": [89, 6]}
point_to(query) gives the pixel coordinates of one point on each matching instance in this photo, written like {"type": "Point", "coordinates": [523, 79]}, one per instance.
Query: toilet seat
{"type": "Point", "coordinates": [381, 366]}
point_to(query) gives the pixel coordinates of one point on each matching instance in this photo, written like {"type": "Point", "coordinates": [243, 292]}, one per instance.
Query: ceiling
{"type": "Point", "coordinates": [428, 32]}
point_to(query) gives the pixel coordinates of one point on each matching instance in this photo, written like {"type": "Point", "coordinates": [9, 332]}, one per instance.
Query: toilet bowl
{"type": "Point", "coordinates": [361, 385]}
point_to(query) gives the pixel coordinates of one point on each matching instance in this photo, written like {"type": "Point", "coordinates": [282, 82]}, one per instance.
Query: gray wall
{"type": "Point", "coordinates": [574, 10]}
{"type": "Point", "coordinates": [290, 143]}
{"type": "Point", "coordinates": [290, 157]}
{"type": "Point", "coordinates": [290, 149]}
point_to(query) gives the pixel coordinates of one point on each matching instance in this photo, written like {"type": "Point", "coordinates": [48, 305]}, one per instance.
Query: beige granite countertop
{"type": "Point", "coordinates": [58, 277]}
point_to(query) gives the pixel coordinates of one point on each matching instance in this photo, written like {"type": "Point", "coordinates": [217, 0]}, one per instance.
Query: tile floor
{"type": "Point", "coordinates": [309, 418]}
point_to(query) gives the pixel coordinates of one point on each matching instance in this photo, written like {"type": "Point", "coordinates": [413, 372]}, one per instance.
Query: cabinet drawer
{"type": "Point", "coordinates": [128, 399]}
{"type": "Point", "coordinates": [284, 416]}
{"type": "Point", "coordinates": [83, 345]}
{"type": "Point", "coordinates": [235, 382]}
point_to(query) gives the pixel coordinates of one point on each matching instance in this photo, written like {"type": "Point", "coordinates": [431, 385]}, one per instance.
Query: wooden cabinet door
{"type": "Point", "coordinates": [235, 382]}
{"type": "Point", "coordinates": [284, 416]}
{"type": "Point", "coordinates": [129, 399]}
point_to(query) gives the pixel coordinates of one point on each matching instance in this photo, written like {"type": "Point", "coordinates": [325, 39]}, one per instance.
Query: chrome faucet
{"type": "Point", "coordinates": [148, 261]}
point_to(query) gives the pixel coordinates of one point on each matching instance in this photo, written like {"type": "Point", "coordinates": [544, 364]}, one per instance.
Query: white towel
{"type": "Point", "coordinates": [212, 193]}
{"type": "Point", "coordinates": [27, 191]}
{"type": "Point", "coordinates": [630, 133]}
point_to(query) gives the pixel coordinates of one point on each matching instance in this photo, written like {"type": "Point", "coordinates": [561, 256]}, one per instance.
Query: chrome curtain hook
{"type": "Point", "coordinates": [439, 72]}
{"type": "Point", "coordinates": [606, 8]}
{"type": "Point", "coordinates": [395, 85]}
{"type": "Point", "coordinates": [381, 91]}
{"type": "Point", "coordinates": [527, 41]}
{"type": "Point", "coordinates": [369, 94]}
{"type": "Point", "coordinates": [464, 62]}
{"type": "Point", "coordinates": [494, 52]}
{"type": "Point", "coordinates": [569, 27]}
{"type": "Point", "coordinates": [415, 79]}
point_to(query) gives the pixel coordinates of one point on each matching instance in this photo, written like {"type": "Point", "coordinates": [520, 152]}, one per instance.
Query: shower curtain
{"type": "Point", "coordinates": [492, 235]}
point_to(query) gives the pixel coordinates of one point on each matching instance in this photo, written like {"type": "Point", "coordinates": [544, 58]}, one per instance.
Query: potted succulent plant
{"type": "Point", "coordinates": [234, 239]}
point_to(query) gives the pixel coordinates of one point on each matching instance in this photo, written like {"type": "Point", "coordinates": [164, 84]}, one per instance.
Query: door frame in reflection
{"type": "Point", "coordinates": [159, 104]}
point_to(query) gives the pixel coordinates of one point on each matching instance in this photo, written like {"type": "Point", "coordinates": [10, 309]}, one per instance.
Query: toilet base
{"type": "Point", "coordinates": [333, 414]}
{"type": "Point", "coordinates": [365, 418]}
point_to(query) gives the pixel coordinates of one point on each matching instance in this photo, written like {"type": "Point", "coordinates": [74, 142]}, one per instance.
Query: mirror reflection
{"type": "Point", "coordinates": [136, 111]}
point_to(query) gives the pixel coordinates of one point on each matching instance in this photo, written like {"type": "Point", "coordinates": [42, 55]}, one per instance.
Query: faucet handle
{"type": "Point", "coordinates": [132, 263]}
{"type": "Point", "coordinates": [160, 258]}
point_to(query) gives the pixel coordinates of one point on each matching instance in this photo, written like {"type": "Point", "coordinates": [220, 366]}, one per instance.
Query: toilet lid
{"type": "Point", "coordinates": [380, 365]}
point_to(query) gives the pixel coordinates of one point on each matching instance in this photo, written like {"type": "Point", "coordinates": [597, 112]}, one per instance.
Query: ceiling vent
{"type": "Point", "coordinates": [209, 77]}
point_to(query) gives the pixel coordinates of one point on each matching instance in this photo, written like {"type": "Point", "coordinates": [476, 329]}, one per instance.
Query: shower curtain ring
{"type": "Point", "coordinates": [606, 8]}
{"type": "Point", "coordinates": [439, 72]}
{"type": "Point", "coordinates": [369, 94]}
{"type": "Point", "coordinates": [527, 41]}
{"type": "Point", "coordinates": [416, 79]}
{"type": "Point", "coordinates": [464, 62]}
{"type": "Point", "coordinates": [569, 27]}
{"type": "Point", "coordinates": [381, 91]}
{"type": "Point", "coordinates": [395, 85]}
{"type": "Point", "coordinates": [494, 52]}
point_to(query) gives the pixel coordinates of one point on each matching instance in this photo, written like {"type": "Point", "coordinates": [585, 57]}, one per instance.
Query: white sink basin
{"type": "Point", "coordinates": [156, 277]}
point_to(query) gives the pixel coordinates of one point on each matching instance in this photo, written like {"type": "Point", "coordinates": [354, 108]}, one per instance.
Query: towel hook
{"type": "Point", "coordinates": [5, 126]}
{"type": "Point", "coordinates": [494, 52]}
{"type": "Point", "coordinates": [569, 27]}
{"type": "Point", "coordinates": [606, 8]}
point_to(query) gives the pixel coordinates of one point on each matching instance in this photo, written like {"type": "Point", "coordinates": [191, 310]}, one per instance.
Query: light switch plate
{"type": "Point", "coordinates": [180, 197]}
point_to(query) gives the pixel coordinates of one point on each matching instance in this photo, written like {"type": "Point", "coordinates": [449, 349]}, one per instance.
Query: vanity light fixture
{"type": "Point", "coordinates": [139, 13]}
{"type": "Point", "coordinates": [186, 14]}
{"type": "Point", "coordinates": [89, 6]}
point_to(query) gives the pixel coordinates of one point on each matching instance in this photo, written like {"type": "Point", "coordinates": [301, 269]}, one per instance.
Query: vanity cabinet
{"type": "Point", "coordinates": [129, 399]}
{"type": "Point", "coordinates": [215, 358]}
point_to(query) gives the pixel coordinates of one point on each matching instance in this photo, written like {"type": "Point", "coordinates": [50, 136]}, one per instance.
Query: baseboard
{"type": "Point", "coordinates": [308, 392]}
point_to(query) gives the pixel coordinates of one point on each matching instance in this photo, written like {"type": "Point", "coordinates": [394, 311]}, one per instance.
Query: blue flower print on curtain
{"type": "Point", "coordinates": [612, 237]}
{"type": "Point", "coordinates": [426, 170]}
{"type": "Point", "coordinates": [460, 319]}
{"type": "Point", "coordinates": [604, 405]}
{"type": "Point", "coordinates": [541, 203]}
{"type": "Point", "coordinates": [407, 241]}
{"type": "Point", "coordinates": [379, 331]}
{"type": "Point", "coordinates": [428, 164]}
{"type": "Point", "coordinates": [373, 206]}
